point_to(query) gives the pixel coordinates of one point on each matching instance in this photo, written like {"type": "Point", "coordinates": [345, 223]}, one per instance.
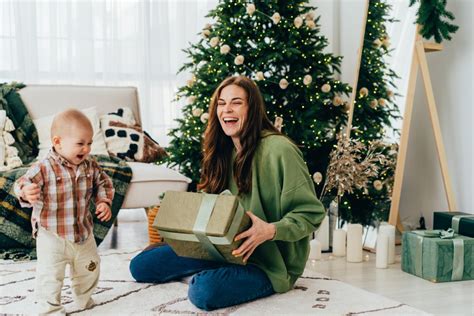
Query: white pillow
{"type": "Point", "coordinates": [43, 126]}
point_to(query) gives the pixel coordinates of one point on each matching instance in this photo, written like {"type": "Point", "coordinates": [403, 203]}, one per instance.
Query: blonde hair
{"type": "Point", "coordinates": [66, 121]}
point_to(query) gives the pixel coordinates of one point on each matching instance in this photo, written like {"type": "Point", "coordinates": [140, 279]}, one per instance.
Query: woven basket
{"type": "Point", "coordinates": [153, 235]}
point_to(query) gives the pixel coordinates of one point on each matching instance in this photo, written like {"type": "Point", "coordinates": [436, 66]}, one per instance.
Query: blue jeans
{"type": "Point", "coordinates": [214, 285]}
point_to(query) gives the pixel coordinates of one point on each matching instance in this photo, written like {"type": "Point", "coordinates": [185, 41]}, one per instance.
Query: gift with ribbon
{"type": "Point", "coordinates": [201, 225]}
{"type": "Point", "coordinates": [462, 223]}
{"type": "Point", "coordinates": [437, 255]}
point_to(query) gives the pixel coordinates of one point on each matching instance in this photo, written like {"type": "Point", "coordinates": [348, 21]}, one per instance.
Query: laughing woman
{"type": "Point", "coordinates": [245, 153]}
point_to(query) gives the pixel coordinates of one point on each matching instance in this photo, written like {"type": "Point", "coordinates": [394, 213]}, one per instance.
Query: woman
{"type": "Point", "coordinates": [245, 153]}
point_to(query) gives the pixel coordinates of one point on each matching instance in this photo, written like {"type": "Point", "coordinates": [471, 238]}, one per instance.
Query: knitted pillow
{"type": "Point", "coordinates": [8, 154]}
{"type": "Point", "coordinates": [126, 139]}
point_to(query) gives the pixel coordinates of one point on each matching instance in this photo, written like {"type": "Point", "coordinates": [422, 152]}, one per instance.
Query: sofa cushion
{"type": "Point", "coordinates": [127, 140]}
{"type": "Point", "coordinates": [149, 181]}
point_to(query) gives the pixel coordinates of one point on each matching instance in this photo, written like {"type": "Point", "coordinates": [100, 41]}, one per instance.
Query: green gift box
{"type": "Point", "coordinates": [436, 257]}
{"type": "Point", "coordinates": [462, 223]}
{"type": "Point", "coordinates": [201, 225]}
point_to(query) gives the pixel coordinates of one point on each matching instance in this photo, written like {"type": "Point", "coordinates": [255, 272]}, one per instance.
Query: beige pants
{"type": "Point", "coordinates": [54, 253]}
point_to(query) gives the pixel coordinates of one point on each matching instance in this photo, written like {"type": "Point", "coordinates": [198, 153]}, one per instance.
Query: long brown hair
{"type": "Point", "coordinates": [217, 146]}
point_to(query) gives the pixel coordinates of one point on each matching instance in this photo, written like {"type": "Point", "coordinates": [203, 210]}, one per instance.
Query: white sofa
{"type": "Point", "coordinates": [148, 180]}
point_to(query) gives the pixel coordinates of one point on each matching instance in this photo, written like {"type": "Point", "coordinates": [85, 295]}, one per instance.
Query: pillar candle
{"type": "Point", "coordinates": [389, 230]}
{"type": "Point", "coordinates": [322, 234]}
{"type": "Point", "coordinates": [381, 256]}
{"type": "Point", "coordinates": [339, 243]}
{"type": "Point", "coordinates": [315, 250]}
{"type": "Point", "coordinates": [354, 243]}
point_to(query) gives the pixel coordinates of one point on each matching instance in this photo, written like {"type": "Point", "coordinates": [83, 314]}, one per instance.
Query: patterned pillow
{"type": "Point", "coordinates": [126, 139]}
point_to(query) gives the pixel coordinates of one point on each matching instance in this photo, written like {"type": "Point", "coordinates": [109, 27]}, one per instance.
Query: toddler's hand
{"type": "Point", "coordinates": [103, 212]}
{"type": "Point", "coordinates": [31, 193]}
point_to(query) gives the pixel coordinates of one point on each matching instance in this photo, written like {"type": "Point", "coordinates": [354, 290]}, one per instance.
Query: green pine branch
{"type": "Point", "coordinates": [435, 20]}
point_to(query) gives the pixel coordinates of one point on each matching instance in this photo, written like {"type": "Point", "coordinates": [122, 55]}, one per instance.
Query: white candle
{"type": "Point", "coordinates": [322, 234]}
{"type": "Point", "coordinates": [381, 257]}
{"type": "Point", "coordinates": [339, 243]}
{"type": "Point", "coordinates": [315, 250]}
{"type": "Point", "coordinates": [389, 230]}
{"type": "Point", "coordinates": [354, 243]}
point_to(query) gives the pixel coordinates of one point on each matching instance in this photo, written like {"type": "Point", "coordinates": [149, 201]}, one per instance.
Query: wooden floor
{"type": "Point", "coordinates": [451, 298]}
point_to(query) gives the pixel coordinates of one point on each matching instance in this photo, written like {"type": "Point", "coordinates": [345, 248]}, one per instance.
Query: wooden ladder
{"type": "Point", "coordinates": [419, 59]}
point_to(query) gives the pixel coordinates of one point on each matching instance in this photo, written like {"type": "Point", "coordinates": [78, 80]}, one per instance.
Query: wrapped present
{"type": "Point", "coordinates": [202, 226]}
{"type": "Point", "coordinates": [461, 223]}
{"type": "Point", "coordinates": [438, 256]}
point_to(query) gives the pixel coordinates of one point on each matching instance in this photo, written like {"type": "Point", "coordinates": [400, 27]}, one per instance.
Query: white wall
{"type": "Point", "coordinates": [452, 78]}
{"type": "Point", "coordinates": [341, 22]}
{"type": "Point", "coordinates": [451, 73]}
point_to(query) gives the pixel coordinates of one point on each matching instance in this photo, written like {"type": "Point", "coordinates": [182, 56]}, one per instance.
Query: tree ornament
{"type": "Point", "coordinates": [310, 24]}
{"type": "Point", "coordinates": [317, 177]}
{"type": "Point", "coordinates": [205, 33]}
{"type": "Point", "coordinates": [377, 42]}
{"type": "Point", "coordinates": [276, 18]}
{"type": "Point", "coordinates": [307, 80]}
{"type": "Point", "coordinates": [298, 22]}
{"type": "Point", "coordinates": [239, 60]}
{"type": "Point", "coordinates": [197, 112]}
{"type": "Point", "coordinates": [204, 117]}
{"type": "Point", "coordinates": [386, 42]}
{"type": "Point", "coordinates": [190, 82]}
{"type": "Point", "coordinates": [390, 93]}
{"type": "Point", "coordinates": [250, 9]}
{"type": "Point", "coordinates": [283, 83]}
{"type": "Point", "coordinates": [326, 88]}
{"type": "Point", "coordinates": [278, 123]}
{"type": "Point", "coordinates": [373, 103]}
{"type": "Point", "coordinates": [364, 92]}
{"type": "Point", "coordinates": [225, 49]}
{"type": "Point", "coordinates": [337, 100]}
{"type": "Point", "coordinates": [347, 107]}
{"type": "Point", "coordinates": [309, 15]}
{"type": "Point", "coordinates": [259, 76]}
{"type": "Point", "coordinates": [214, 41]}
{"type": "Point", "coordinates": [208, 26]}
{"type": "Point", "coordinates": [378, 185]}
{"type": "Point", "coordinates": [191, 99]}
{"type": "Point", "coordinates": [382, 102]}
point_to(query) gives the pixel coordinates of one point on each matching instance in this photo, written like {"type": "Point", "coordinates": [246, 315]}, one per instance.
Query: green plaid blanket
{"type": "Point", "coordinates": [15, 226]}
{"type": "Point", "coordinates": [16, 241]}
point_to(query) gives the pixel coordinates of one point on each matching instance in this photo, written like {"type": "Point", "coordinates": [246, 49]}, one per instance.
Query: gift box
{"type": "Point", "coordinates": [462, 223]}
{"type": "Point", "coordinates": [438, 256]}
{"type": "Point", "coordinates": [201, 225]}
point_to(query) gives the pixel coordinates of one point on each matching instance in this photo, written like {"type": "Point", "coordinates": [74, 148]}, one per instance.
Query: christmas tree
{"type": "Point", "coordinates": [279, 45]}
{"type": "Point", "coordinates": [374, 112]}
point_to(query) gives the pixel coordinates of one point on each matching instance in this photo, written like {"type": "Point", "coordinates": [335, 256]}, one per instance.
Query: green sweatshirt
{"type": "Point", "coordinates": [283, 194]}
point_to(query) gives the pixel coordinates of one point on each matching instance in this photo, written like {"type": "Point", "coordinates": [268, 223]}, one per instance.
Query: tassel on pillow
{"type": "Point", "coordinates": [3, 153]}
{"type": "Point", "coordinates": [8, 138]}
{"type": "Point", "coordinates": [3, 118]}
{"type": "Point", "coordinates": [9, 127]}
{"type": "Point", "coordinates": [14, 162]}
{"type": "Point", "coordinates": [11, 151]}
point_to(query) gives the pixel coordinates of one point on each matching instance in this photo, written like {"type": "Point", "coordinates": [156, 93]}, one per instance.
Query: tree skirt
{"type": "Point", "coordinates": [117, 293]}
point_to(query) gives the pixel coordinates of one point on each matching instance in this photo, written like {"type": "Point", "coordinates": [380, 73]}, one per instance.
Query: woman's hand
{"type": "Point", "coordinates": [259, 232]}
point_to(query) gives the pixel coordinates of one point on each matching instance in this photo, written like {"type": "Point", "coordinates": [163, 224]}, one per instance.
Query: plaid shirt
{"type": "Point", "coordinates": [63, 207]}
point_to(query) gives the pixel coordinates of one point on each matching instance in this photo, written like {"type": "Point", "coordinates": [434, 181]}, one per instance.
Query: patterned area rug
{"type": "Point", "coordinates": [117, 293]}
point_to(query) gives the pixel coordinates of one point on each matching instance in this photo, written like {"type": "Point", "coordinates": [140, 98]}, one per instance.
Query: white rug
{"type": "Point", "coordinates": [117, 293]}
